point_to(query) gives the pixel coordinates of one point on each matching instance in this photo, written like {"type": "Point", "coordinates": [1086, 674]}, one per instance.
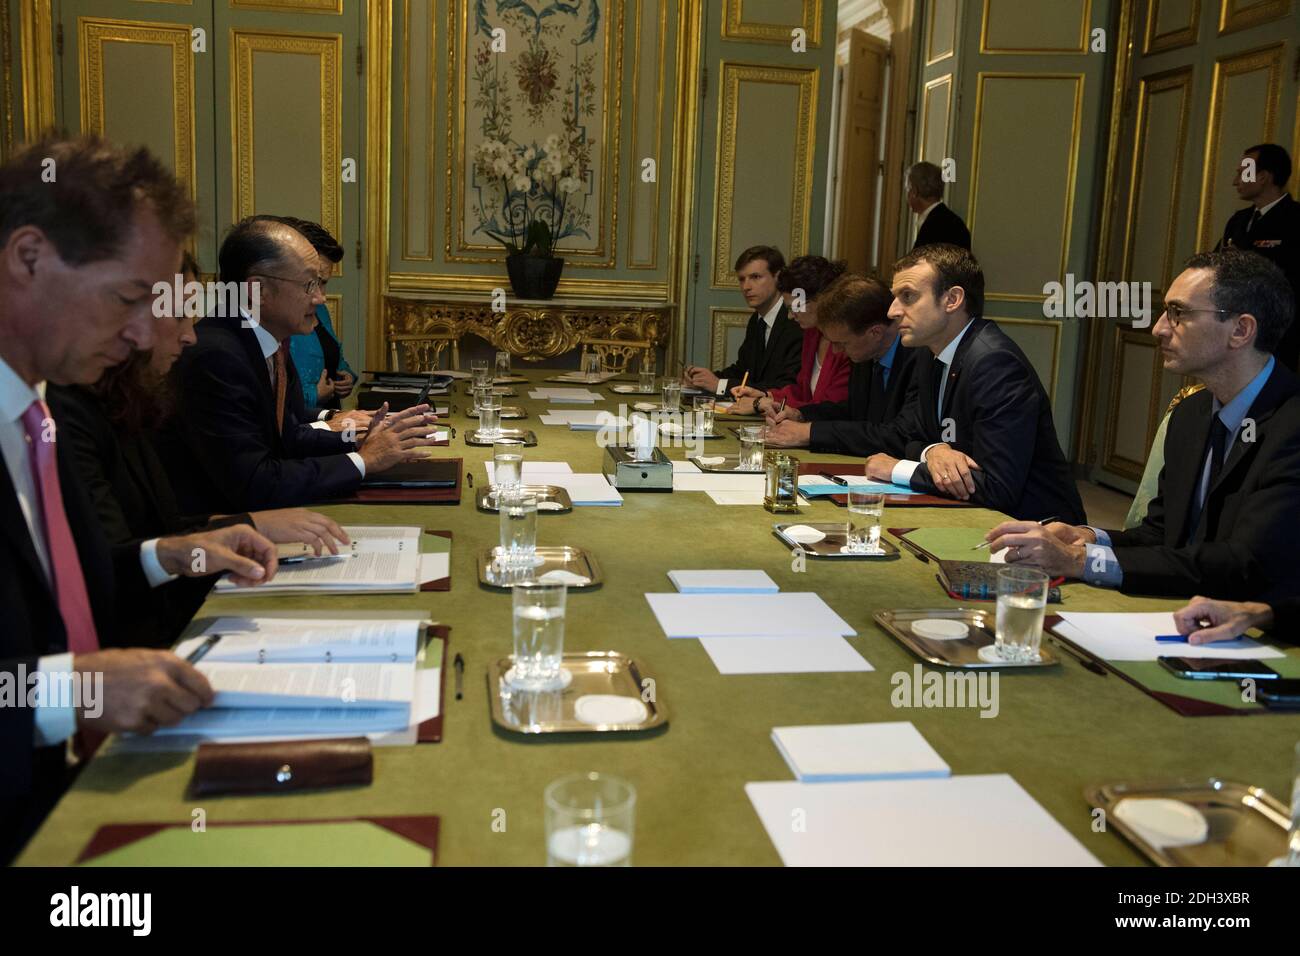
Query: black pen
{"type": "Point", "coordinates": [829, 477]}
{"type": "Point", "coordinates": [196, 655]}
{"type": "Point", "coordinates": [459, 665]}
{"type": "Point", "coordinates": [1043, 523]}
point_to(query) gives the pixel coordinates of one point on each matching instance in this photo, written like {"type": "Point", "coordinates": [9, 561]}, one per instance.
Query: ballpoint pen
{"type": "Point", "coordinates": [1044, 522]}
{"type": "Point", "coordinates": [197, 654]}
{"type": "Point", "coordinates": [459, 664]}
{"type": "Point", "coordinates": [829, 477]}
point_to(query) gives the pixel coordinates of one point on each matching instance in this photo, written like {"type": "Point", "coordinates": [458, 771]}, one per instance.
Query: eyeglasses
{"type": "Point", "coordinates": [1177, 313]}
{"type": "Point", "coordinates": [311, 287]}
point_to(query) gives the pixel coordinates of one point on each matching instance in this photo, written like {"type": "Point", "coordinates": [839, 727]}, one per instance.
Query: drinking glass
{"type": "Point", "coordinates": [518, 518]}
{"type": "Point", "coordinates": [646, 380]}
{"type": "Point", "coordinates": [539, 635]}
{"type": "Point", "coordinates": [870, 508]}
{"type": "Point", "coordinates": [489, 415]}
{"type": "Point", "coordinates": [591, 367]}
{"type": "Point", "coordinates": [671, 397]}
{"type": "Point", "coordinates": [482, 375]}
{"type": "Point", "coordinates": [477, 392]}
{"type": "Point", "coordinates": [1022, 603]}
{"type": "Point", "coordinates": [704, 408]}
{"type": "Point", "coordinates": [751, 448]}
{"type": "Point", "coordinates": [590, 821]}
{"type": "Point", "coordinates": [502, 369]}
{"type": "Point", "coordinates": [507, 467]}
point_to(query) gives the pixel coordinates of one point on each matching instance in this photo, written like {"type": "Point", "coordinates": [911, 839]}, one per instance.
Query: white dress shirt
{"type": "Point", "coordinates": [769, 320]}
{"type": "Point", "coordinates": [902, 474]}
{"type": "Point", "coordinates": [53, 723]}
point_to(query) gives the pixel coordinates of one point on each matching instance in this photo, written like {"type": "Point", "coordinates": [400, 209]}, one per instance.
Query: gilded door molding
{"type": "Point", "coordinates": [1266, 58]}
{"type": "Point", "coordinates": [291, 6]}
{"type": "Point", "coordinates": [1111, 459]}
{"type": "Point", "coordinates": [1055, 328]}
{"type": "Point", "coordinates": [931, 55]}
{"type": "Point", "coordinates": [36, 25]}
{"type": "Point", "coordinates": [736, 27]}
{"type": "Point", "coordinates": [327, 48]}
{"type": "Point", "coordinates": [431, 119]}
{"type": "Point", "coordinates": [379, 118]}
{"type": "Point", "coordinates": [923, 133]}
{"type": "Point", "coordinates": [720, 320]}
{"type": "Point", "coordinates": [1185, 35]}
{"type": "Point", "coordinates": [93, 34]}
{"type": "Point", "coordinates": [1235, 15]}
{"type": "Point", "coordinates": [1081, 50]}
{"type": "Point", "coordinates": [634, 178]}
{"type": "Point", "coordinates": [733, 75]}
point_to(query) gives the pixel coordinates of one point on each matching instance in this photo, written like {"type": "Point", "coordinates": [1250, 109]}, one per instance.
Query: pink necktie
{"type": "Point", "coordinates": [69, 584]}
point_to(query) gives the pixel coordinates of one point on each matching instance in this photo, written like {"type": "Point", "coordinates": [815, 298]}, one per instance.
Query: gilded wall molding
{"type": "Point", "coordinates": [7, 65]}
{"type": "Point", "coordinates": [686, 126]}
{"type": "Point", "coordinates": [1185, 35]}
{"type": "Point", "coordinates": [485, 285]}
{"type": "Point", "coordinates": [733, 75]}
{"type": "Point", "coordinates": [721, 319]}
{"type": "Point", "coordinates": [334, 7]}
{"type": "Point", "coordinates": [1234, 17]}
{"type": "Point", "coordinates": [1081, 50]}
{"type": "Point", "coordinates": [430, 173]}
{"type": "Point", "coordinates": [924, 131]}
{"type": "Point", "coordinates": [1111, 460]}
{"type": "Point", "coordinates": [1226, 67]}
{"type": "Point", "coordinates": [634, 177]}
{"type": "Point", "coordinates": [93, 34]}
{"type": "Point", "coordinates": [736, 27]}
{"type": "Point", "coordinates": [1055, 328]}
{"type": "Point", "coordinates": [379, 121]}
{"type": "Point", "coordinates": [932, 57]}
{"type": "Point", "coordinates": [36, 25]}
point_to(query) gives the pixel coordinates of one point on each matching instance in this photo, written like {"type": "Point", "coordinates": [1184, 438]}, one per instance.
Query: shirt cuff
{"type": "Point", "coordinates": [902, 473]}
{"type": "Point", "coordinates": [323, 415]}
{"type": "Point", "coordinates": [1100, 567]}
{"type": "Point", "coordinates": [56, 717]}
{"type": "Point", "coordinates": [1103, 538]}
{"type": "Point", "coordinates": [359, 462]}
{"type": "Point", "coordinates": [323, 426]}
{"type": "Point", "coordinates": [154, 572]}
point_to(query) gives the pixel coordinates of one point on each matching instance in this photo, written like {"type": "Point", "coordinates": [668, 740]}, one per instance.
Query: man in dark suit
{"type": "Point", "coordinates": [980, 427]}
{"type": "Point", "coordinates": [773, 347]}
{"type": "Point", "coordinates": [853, 315]}
{"type": "Point", "coordinates": [1270, 225]}
{"type": "Point", "coordinates": [237, 443]}
{"type": "Point", "coordinates": [936, 223]}
{"type": "Point", "coordinates": [1225, 520]}
{"type": "Point", "coordinates": [80, 259]}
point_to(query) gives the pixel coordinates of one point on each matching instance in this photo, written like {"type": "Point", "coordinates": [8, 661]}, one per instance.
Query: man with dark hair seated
{"type": "Point", "coordinates": [1226, 518]}
{"type": "Point", "coordinates": [773, 347]}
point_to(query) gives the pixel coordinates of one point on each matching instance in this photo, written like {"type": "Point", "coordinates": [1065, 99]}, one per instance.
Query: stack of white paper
{"type": "Point", "coordinates": [587, 489]}
{"type": "Point", "coordinates": [1132, 637]}
{"type": "Point", "coordinates": [809, 654]}
{"type": "Point", "coordinates": [832, 753]}
{"type": "Point", "coordinates": [586, 377]}
{"type": "Point", "coordinates": [380, 560]}
{"type": "Point", "coordinates": [722, 582]}
{"type": "Point", "coordinates": [566, 396]}
{"type": "Point", "coordinates": [709, 481]}
{"type": "Point", "coordinates": [977, 820]}
{"type": "Point", "coordinates": [685, 467]}
{"type": "Point", "coordinates": [793, 614]}
{"type": "Point", "coordinates": [584, 420]}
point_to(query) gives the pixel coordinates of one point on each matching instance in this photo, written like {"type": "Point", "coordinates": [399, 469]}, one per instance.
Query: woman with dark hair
{"type": "Point", "coordinates": [110, 427]}
{"type": "Point", "coordinates": [823, 373]}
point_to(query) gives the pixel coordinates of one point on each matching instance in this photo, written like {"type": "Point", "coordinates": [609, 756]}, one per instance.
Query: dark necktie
{"type": "Point", "coordinates": [940, 372]}
{"type": "Point", "coordinates": [1216, 447]}
{"type": "Point", "coordinates": [280, 382]}
{"type": "Point", "coordinates": [1254, 218]}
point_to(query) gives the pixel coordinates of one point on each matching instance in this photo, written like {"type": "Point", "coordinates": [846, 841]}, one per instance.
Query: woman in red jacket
{"type": "Point", "coordinates": [823, 374]}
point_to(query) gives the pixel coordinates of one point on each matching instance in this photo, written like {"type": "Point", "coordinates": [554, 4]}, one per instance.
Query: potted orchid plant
{"type": "Point", "coordinates": [535, 183]}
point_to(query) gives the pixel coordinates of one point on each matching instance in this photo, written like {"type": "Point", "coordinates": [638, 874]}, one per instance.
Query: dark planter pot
{"type": "Point", "coordinates": [533, 277]}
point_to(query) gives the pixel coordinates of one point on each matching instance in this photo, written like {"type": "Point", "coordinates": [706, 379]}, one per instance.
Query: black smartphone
{"type": "Point", "coordinates": [1280, 694]}
{"type": "Point", "coordinates": [1214, 668]}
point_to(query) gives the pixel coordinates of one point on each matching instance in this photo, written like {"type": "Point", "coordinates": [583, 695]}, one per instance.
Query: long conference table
{"type": "Point", "coordinates": [1058, 731]}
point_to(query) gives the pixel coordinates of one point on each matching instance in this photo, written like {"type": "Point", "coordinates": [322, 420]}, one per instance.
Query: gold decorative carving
{"type": "Point", "coordinates": [1120, 465]}
{"type": "Point", "coordinates": [379, 116]}
{"type": "Point", "coordinates": [1055, 328]}
{"type": "Point", "coordinates": [36, 25]}
{"type": "Point", "coordinates": [1183, 36]}
{"type": "Point", "coordinates": [1233, 16]}
{"type": "Point", "coordinates": [617, 355]}
{"type": "Point", "coordinates": [635, 172]}
{"type": "Point", "coordinates": [736, 27]}
{"type": "Point", "coordinates": [1081, 49]}
{"type": "Point", "coordinates": [407, 255]}
{"type": "Point", "coordinates": [290, 6]}
{"type": "Point", "coordinates": [720, 320]}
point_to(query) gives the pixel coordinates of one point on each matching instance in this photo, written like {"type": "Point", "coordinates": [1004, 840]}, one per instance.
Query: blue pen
{"type": "Point", "coordinates": [1172, 638]}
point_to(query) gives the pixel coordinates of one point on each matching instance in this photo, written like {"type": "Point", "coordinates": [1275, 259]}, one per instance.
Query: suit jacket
{"type": "Point", "coordinates": [133, 500]}
{"type": "Point", "coordinates": [856, 426]}
{"type": "Point", "coordinates": [223, 451]}
{"type": "Point", "coordinates": [998, 414]}
{"type": "Point", "coordinates": [1275, 237]}
{"type": "Point", "coordinates": [32, 778]}
{"type": "Point", "coordinates": [942, 225]}
{"type": "Point", "coordinates": [832, 383]}
{"type": "Point", "coordinates": [1246, 549]}
{"type": "Point", "coordinates": [772, 365]}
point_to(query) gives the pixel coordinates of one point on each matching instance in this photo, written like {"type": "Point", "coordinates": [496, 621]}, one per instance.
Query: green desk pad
{"type": "Point", "coordinates": [1058, 730]}
{"type": "Point", "coordinates": [1226, 693]}
{"type": "Point", "coordinates": [952, 544]}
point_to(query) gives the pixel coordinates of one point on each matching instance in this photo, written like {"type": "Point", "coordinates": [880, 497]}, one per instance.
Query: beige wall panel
{"type": "Point", "coordinates": [1020, 166]}
{"type": "Point", "coordinates": [941, 31]}
{"type": "Point", "coordinates": [1171, 24]}
{"type": "Point", "coordinates": [770, 21]}
{"type": "Point", "coordinates": [726, 332]}
{"type": "Point", "coordinates": [1129, 430]}
{"type": "Point", "coordinates": [417, 132]}
{"type": "Point", "coordinates": [764, 154]}
{"type": "Point", "coordinates": [647, 135]}
{"type": "Point", "coordinates": [1243, 112]}
{"type": "Point", "coordinates": [1040, 340]}
{"type": "Point", "coordinates": [934, 119]}
{"type": "Point", "coordinates": [1158, 153]}
{"type": "Point", "coordinates": [1035, 26]}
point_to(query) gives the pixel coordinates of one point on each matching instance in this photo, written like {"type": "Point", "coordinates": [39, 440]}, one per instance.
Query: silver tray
{"type": "Point", "coordinates": [508, 412]}
{"type": "Point", "coordinates": [829, 547]}
{"type": "Point", "coordinates": [690, 436]}
{"type": "Point", "coordinates": [1247, 825]}
{"type": "Point", "coordinates": [728, 466]}
{"type": "Point", "coordinates": [505, 391]}
{"type": "Point", "coordinates": [487, 499]}
{"type": "Point", "coordinates": [604, 378]}
{"type": "Point", "coordinates": [630, 388]}
{"type": "Point", "coordinates": [560, 557]}
{"type": "Point", "coordinates": [517, 436]}
{"type": "Point", "coordinates": [551, 712]}
{"type": "Point", "coordinates": [963, 653]}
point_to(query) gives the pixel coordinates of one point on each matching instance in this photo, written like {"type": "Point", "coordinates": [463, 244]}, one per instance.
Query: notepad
{"type": "Point", "coordinates": [973, 820]}
{"type": "Point", "coordinates": [807, 654]}
{"type": "Point", "coordinates": [832, 753]}
{"type": "Point", "coordinates": [587, 489]}
{"type": "Point", "coordinates": [380, 560]}
{"type": "Point", "coordinates": [951, 544]}
{"type": "Point", "coordinates": [729, 498]}
{"type": "Point", "coordinates": [722, 582]}
{"type": "Point", "coordinates": [815, 486]}
{"type": "Point", "coordinates": [1132, 637]}
{"type": "Point", "coordinates": [746, 615]}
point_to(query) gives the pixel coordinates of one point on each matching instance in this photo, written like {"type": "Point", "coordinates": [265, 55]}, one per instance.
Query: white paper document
{"type": "Point", "coordinates": [280, 640]}
{"type": "Point", "coordinates": [809, 654]}
{"type": "Point", "coordinates": [686, 468]}
{"type": "Point", "coordinates": [310, 685]}
{"type": "Point", "coordinates": [585, 420]}
{"type": "Point", "coordinates": [565, 396]}
{"type": "Point", "coordinates": [434, 567]}
{"type": "Point", "coordinates": [834, 753]}
{"type": "Point", "coordinates": [975, 820]}
{"type": "Point", "coordinates": [736, 497]}
{"type": "Point", "coordinates": [722, 582]}
{"type": "Point", "coordinates": [708, 481]}
{"type": "Point", "coordinates": [746, 615]}
{"type": "Point", "coordinates": [379, 560]}
{"type": "Point", "coordinates": [1132, 637]}
{"type": "Point", "coordinates": [587, 489]}
{"type": "Point", "coordinates": [535, 472]}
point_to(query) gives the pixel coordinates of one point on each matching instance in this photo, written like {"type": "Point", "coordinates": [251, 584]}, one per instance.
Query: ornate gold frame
{"type": "Point", "coordinates": [1084, 25]}
{"type": "Point", "coordinates": [36, 24]}
{"type": "Point", "coordinates": [379, 119]}
{"type": "Point", "coordinates": [1153, 42]}
{"type": "Point", "coordinates": [1231, 20]}
{"type": "Point", "coordinates": [634, 177]}
{"type": "Point", "coordinates": [334, 7]}
{"type": "Point", "coordinates": [430, 172]}
{"type": "Point", "coordinates": [735, 27]}
{"type": "Point", "coordinates": [732, 75]}
{"type": "Point", "coordinates": [924, 128]}
{"type": "Point", "coordinates": [722, 318]}
{"type": "Point", "coordinates": [1056, 327]}
{"type": "Point", "coordinates": [1127, 466]}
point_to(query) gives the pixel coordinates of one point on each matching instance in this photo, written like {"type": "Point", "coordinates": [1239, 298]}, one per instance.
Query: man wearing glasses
{"type": "Point", "coordinates": [237, 443]}
{"type": "Point", "coordinates": [1226, 519]}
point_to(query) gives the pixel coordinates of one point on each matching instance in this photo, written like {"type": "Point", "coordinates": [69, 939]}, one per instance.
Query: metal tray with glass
{"type": "Point", "coordinates": [551, 499]}
{"type": "Point", "coordinates": [948, 644]}
{"type": "Point", "coordinates": [1196, 822]}
{"type": "Point", "coordinates": [506, 436]}
{"type": "Point", "coordinates": [565, 565]}
{"type": "Point", "coordinates": [828, 540]}
{"type": "Point", "coordinates": [602, 692]}
{"type": "Point", "coordinates": [507, 412]}
{"type": "Point", "coordinates": [721, 464]}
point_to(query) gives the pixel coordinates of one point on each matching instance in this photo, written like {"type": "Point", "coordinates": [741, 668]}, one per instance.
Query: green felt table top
{"type": "Point", "coordinates": [1058, 730]}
